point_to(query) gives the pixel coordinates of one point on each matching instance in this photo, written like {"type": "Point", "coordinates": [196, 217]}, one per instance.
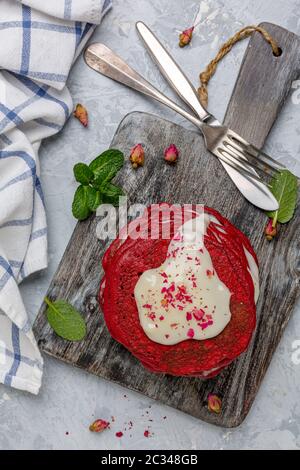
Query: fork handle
{"type": "Point", "coordinates": [171, 71]}
{"type": "Point", "coordinates": [102, 59]}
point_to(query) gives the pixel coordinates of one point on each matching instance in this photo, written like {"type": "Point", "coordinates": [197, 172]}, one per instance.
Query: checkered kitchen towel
{"type": "Point", "coordinates": [39, 41]}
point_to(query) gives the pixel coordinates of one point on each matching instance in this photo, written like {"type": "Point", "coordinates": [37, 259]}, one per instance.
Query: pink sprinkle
{"type": "Point", "coordinates": [146, 433]}
{"type": "Point", "coordinates": [177, 237]}
{"type": "Point", "coordinates": [179, 296]}
{"type": "Point", "coordinates": [209, 317]}
{"type": "Point", "coordinates": [119, 434]}
{"type": "Point", "coordinates": [147, 306]}
{"type": "Point", "coordinates": [164, 275]}
{"type": "Point", "coordinates": [191, 333]}
{"type": "Point", "coordinates": [198, 314]}
{"type": "Point", "coordinates": [188, 316]}
{"type": "Point", "coordinates": [182, 289]}
{"type": "Point", "coordinates": [174, 252]}
{"type": "Point", "coordinates": [206, 324]}
{"type": "Point", "coordinates": [161, 317]}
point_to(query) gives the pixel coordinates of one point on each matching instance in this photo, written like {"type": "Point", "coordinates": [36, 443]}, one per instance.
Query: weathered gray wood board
{"type": "Point", "coordinates": [196, 178]}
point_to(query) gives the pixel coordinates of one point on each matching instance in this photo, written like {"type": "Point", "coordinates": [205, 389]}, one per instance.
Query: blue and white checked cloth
{"type": "Point", "coordinates": [39, 42]}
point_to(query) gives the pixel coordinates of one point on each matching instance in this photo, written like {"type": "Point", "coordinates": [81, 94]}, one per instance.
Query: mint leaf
{"type": "Point", "coordinates": [285, 188]}
{"type": "Point", "coordinates": [111, 194]}
{"type": "Point", "coordinates": [94, 198]}
{"type": "Point", "coordinates": [83, 174]}
{"type": "Point", "coordinates": [65, 320]}
{"type": "Point", "coordinates": [95, 185]}
{"type": "Point", "coordinates": [80, 208]}
{"type": "Point", "coordinates": [106, 166]}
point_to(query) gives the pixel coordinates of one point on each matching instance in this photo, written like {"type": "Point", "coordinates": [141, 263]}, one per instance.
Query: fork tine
{"type": "Point", "coordinates": [263, 154]}
{"type": "Point", "coordinates": [236, 164]}
{"type": "Point", "coordinates": [251, 161]}
{"type": "Point", "coordinates": [255, 152]}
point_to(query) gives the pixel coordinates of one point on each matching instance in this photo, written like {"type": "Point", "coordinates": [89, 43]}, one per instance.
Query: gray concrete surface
{"type": "Point", "coordinates": [70, 399]}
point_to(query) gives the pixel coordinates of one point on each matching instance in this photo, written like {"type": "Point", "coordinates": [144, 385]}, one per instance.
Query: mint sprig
{"type": "Point", "coordinates": [65, 320]}
{"type": "Point", "coordinates": [285, 189]}
{"type": "Point", "coordinates": [95, 183]}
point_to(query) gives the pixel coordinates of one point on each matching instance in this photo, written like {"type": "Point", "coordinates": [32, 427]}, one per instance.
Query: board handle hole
{"type": "Point", "coordinates": [279, 52]}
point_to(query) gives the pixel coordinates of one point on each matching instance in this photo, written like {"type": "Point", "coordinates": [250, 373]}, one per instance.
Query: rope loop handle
{"type": "Point", "coordinates": [206, 75]}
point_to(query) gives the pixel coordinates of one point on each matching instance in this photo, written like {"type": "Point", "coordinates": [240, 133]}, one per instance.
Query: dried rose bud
{"type": "Point", "coordinates": [99, 425]}
{"type": "Point", "coordinates": [137, 156]}
{"type": "Point", "coordinates": [171, 154]}
{"type": "Point", "coordinates": [186, 36]}
{"type": "Point", "coordinates": [270, 230]}
{"type": "Point", "coordinates": [81, 114]}
{"type": "Point", "coordinates": [214, 403]}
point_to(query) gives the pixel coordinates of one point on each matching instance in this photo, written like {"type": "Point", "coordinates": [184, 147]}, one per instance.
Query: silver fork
{"type": "Point", "coordinates": [219, 139]}
{"type": "Point", "coordinates": [103, 60]}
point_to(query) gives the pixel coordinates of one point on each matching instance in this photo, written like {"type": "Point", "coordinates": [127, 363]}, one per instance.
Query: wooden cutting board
{"type": "Point", "coordinates": [262, 85]}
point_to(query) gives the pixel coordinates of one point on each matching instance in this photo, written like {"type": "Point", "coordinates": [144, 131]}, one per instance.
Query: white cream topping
{"type": "Point", "coordinates": [184, 297]}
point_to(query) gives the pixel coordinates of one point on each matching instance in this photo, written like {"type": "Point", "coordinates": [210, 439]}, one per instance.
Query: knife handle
{"type": "Point", "coordinates": [102, 59]}
{"type": "Point", "coordinates": [171, 71]}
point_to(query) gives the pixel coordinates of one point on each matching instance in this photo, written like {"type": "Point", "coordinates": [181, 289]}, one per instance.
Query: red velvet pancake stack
{"type": "Point", "coordinates": [126, 259]}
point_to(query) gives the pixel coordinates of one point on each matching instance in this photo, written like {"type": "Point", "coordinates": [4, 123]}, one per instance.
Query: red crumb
{"type": "Point", "coordinates": [146, 433]}
{"type": "Point", "coordinates": [119, 434]}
